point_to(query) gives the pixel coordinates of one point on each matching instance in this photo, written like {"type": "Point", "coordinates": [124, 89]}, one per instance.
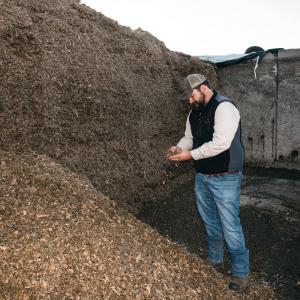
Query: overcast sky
{"type": "Point", "coordinates": [210, 27]}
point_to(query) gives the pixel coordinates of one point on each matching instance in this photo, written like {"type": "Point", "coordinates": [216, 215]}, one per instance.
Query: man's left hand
{"type": "Point", "coordinates": [184, 155]}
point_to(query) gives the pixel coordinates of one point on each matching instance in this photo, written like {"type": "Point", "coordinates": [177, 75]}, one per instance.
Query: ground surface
{"type": "Point", "coordinates": [270, 217]}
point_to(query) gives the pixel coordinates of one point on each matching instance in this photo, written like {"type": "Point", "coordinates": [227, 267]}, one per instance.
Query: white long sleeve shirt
{"type": "Point", "coordinates": [227, 119]}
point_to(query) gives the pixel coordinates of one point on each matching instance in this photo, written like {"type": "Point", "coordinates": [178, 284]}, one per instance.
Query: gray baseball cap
{"type": "Point", "coordinates": [190, 82]}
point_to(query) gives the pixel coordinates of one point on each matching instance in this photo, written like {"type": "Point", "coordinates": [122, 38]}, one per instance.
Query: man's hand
{"type": "Point", "coordinates": [175, 150]}
{"type": "Point", "coordinates": [182, 156]}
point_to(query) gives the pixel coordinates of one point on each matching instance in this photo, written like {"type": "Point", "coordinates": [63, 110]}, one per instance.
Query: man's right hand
{"type": "Point", "coordinates": [174, 150]}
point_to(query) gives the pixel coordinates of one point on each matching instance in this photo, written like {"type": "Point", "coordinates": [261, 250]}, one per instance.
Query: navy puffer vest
{"type": "Point", "coordinates": [202, 126]}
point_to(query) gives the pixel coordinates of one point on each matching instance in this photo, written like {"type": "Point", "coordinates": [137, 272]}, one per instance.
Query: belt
{"type": "Point", "coordinates": [221, 174]}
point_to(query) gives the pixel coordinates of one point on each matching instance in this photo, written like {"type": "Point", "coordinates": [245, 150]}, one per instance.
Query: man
{"type": "Point", "coordinates": [213, 140]}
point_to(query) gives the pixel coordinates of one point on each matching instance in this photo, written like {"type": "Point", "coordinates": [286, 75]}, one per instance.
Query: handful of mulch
{"type": "Point", "coordinates": [171, 153]}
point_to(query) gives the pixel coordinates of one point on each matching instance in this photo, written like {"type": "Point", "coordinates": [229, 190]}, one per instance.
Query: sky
{"type": "Point", "coordinates": [210, 27]}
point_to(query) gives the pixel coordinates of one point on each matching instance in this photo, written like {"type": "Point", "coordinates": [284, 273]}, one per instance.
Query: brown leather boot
{"type": "Point", "coordinates": [239, 284]}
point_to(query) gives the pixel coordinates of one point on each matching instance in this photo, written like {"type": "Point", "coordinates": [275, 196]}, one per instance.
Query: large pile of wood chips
{"type": "Point", "coordinates": [61, 239]}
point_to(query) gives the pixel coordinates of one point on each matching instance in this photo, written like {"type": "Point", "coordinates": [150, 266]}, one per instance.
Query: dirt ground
{"type": "Point", "coordinates": [272, 231]}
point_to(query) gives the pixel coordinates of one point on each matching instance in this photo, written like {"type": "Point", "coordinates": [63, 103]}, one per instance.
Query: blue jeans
{"type": "Point", "coordinates": [218, 202]}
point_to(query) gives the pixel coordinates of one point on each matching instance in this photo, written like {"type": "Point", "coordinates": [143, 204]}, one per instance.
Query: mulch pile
{"type": "Point", "coordinates": [88, 108]}
{"type": "Point", "coordinates": [62, 239]}
{"type": "Point", "coordinates": [97, 97]}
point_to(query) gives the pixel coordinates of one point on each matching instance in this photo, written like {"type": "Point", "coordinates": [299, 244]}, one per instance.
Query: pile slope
{"type": "Point", "coordinates": [61, 239]}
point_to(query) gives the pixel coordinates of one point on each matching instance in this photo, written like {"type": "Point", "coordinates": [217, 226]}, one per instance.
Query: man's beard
{"type": "Point", "coordinates": [199, 105]}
